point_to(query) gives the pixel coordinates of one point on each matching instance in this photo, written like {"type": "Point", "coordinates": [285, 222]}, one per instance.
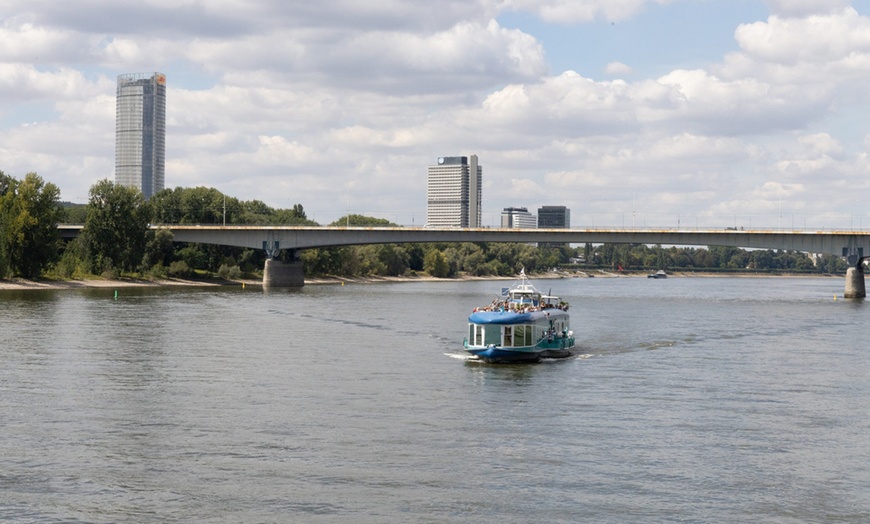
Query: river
{"type": "Point", "coordinates": [690, 400]}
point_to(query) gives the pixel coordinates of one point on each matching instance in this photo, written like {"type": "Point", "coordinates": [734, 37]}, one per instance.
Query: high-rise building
{"type": "Point", "coordinates": [140, 131]}
{"type": "Point", "coordinates": [554, 217]}
{"type": "Point", "coordinates": [518, 217]}
{"type": "Point", "coordinates": [453, 192]}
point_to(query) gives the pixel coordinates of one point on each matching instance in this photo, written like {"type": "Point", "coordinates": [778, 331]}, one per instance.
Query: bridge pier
{"type": "Point", "coordinates": [283, 274]}
{"type": "Point", "coordinates": [855, 282]}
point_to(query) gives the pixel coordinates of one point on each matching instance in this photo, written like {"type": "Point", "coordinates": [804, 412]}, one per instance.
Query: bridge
{"type": "Point", "coordinates": [846, 243]}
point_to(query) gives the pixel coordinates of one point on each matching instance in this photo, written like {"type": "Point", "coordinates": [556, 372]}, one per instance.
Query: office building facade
{"type": "Point", "coordinates": [453, 192]}
{"type": "Point", "coordinates": [140, 131]}
{"type": "Point", "coordinates": [518, 217]}
{"type": "Point", "coordinates": [554, 217]}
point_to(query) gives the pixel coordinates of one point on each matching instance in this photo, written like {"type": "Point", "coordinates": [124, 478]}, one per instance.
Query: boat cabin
{"type": "Point", "coordinates": [518, 335]}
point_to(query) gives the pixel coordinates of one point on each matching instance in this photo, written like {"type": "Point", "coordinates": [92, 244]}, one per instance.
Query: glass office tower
{"type": "Point", "coordinates": [454, 192]}
{"type": "Point", "coordinates": [140, 131]}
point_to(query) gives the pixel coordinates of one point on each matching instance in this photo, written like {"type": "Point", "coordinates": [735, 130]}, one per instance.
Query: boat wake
{"type": "Point", "coordinates": [465, 358]}
{"type": "Point", "coordinates": [474, 359]}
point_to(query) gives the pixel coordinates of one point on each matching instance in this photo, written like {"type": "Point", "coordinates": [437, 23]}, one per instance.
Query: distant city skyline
{"type": "Point", "coordinates": [140, 132]}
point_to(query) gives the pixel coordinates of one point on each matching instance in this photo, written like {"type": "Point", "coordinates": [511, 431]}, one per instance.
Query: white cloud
{"type": "Point", "coordinates": [617, 69]}
{"type": "Point", "coordinates": [571, 11]}
{"type": "Point", "coordinates": [816, 39]}
{"type": "Point", "coordinates": [799, 8]}
{"type": "Point", "coordinates": [343, 105]}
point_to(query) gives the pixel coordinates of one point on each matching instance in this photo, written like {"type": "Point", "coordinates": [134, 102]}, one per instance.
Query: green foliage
{"type": "Point", "coordinates": [72, 261]}
{"type": "Point", "coordinates": [193, 256]}
{"type": "Point", "coordinates": [714, 258]}
{"type": "Point", "coordinates": [394, 259]}
{"type": "Point", "coordinates": [29, 214]}
{"type": "Point", "coordinates": [116, 227]}
{"type": "Point", "coordinates": [74, 213]}
{"type": "Point", "coordinates": [229, 272]}
{"type": "Point", "coordinates": [202, 205]}
{"type": "Point", "coordinates": [159, 249]}
{"type": "Point", "coordinates": [180, 269]}
{"type": "Point", "coordinates": [435, 263]}
{"type": "Point", "coordinates": [362, 221]}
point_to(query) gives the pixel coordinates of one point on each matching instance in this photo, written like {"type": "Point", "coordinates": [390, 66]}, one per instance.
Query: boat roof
{"type": "Point", "coordinates": [525, 288]}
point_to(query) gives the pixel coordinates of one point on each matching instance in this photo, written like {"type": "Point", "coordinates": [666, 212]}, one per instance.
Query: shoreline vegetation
{"type": "Point", "coordinates": [117, 248]}
{"type": "Point", "coordinates": [97, 282]}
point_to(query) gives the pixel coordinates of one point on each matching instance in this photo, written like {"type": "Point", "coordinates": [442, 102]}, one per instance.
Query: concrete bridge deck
{"type": "Point", "coordinates": [847, 243]}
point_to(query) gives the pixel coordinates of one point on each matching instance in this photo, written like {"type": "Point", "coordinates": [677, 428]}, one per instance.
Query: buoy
{"type": "Point", "coordinates": [116, 294]}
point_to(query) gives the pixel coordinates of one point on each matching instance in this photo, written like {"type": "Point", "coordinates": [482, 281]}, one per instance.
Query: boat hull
{"type": "Point", "coordinates": [498, 355]}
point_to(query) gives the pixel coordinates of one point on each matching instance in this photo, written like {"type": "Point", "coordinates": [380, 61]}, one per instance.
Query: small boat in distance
{"type": "Point", "coordinates": [658, 274]}
{"type": "Point", "coordinates": [521, 325]}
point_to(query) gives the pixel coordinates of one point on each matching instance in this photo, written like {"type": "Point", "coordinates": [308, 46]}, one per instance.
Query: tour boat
{"type": "Point", "coordinates": [522, 324]}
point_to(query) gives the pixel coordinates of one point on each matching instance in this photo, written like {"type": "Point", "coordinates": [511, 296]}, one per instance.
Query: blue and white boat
{"type": "Point", "coordinates": [521, 325]}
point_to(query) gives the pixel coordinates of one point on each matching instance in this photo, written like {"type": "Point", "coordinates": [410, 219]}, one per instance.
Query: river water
{"type": "Point", "coordinates": [690, 400]}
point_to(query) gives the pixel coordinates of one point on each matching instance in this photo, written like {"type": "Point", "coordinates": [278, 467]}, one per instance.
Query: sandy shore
{"type": "Point", "coordinates": [22, 284]}
{"type": "Point", "coordinates": [19, 284]}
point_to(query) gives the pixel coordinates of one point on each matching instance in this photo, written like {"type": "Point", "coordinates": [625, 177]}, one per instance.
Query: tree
{"type": "Point", "coordinates": [394, 259]}
{"type": "Point", "coordinates": [158, 249]}
{"type": "Point", "coordinates": [436, 264]}
{"type": "Point", "coordinates": [116, 227]}
{"type": "Point", "coordinates": [74, 213]}
{"type": "Point", "coordinates": [362, 221]}
{"type": "Point", "coordinates": [29, 211]}
{"type": "Point", "coordinates": [7, 183]}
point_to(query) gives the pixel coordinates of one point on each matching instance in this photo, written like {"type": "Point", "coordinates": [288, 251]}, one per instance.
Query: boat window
{"type": "Point", "coordinates": [508, 338]}
{"type": "Point", "coordinates": [478, 335]}
{"type": "Point", "coordinates": [523, 335]}
{"type": "Point", "coordinates": [490, 334]}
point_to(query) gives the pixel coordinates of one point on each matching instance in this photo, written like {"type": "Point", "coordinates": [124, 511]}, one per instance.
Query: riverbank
{"type": "Point", "coordinates": [22, 284]}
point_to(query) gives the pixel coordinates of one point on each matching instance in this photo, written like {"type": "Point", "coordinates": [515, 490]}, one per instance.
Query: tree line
{"type": "Point", "coordinates": [116, 239]}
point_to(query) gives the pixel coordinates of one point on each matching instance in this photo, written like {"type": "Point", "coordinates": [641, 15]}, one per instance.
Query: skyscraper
{"type": "Point", "coordinates": [140, 131]}
{"type": "Point", "coordinates": [454, 192]}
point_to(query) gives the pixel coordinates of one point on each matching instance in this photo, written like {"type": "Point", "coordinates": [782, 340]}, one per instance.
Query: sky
{"type": "Point", "coordinates": [643, 113]}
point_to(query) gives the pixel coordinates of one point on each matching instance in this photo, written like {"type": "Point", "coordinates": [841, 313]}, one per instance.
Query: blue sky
{"type": "Point", "coordinates": [652, 42]}
{"type": "Point", "coordinates": [719, 112]}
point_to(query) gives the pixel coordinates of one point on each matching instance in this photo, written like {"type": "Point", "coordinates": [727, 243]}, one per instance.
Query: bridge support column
{"type": "Point", "coordinates": [855, 282]}
{"type": "Point", "coordinates": [283, 274]}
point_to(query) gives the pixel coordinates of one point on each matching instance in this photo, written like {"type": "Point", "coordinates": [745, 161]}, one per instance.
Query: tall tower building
{"type": "Point", "coordinates": [140, 131]}
{"type": "Point", "coordinates": [454, 192]}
